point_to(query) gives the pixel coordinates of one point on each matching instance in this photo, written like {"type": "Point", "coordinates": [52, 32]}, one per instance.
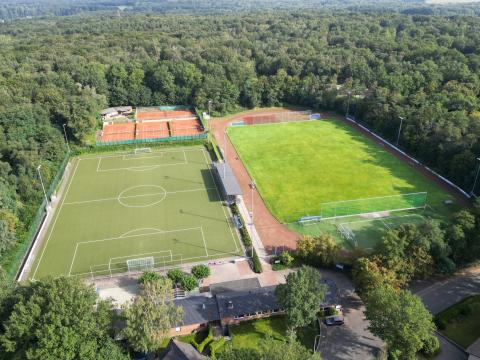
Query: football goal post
{"type": "Point", "coordinates": [373, 205]}
{"type": "Point", "coordinates": [142, 150]}
{"type": "Point", "coordinates": [347, 234]}
{"type": "Point", "coordinates": [140, 264]}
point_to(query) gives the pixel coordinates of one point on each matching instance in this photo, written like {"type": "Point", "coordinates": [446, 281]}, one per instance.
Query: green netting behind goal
{"type": "Point", "coordinates": [373, 205]}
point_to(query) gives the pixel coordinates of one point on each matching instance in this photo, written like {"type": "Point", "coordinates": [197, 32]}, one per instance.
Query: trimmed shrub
{"type": "Point", "coordinates": [243, 231]}
{"type": "Point", "coordinates": [256, 264]}
{"type": "Point", "coordinates": [148, 276]}
{"type": "Point", "coordinates": [431, 346]}
{"type": "Point", "coordinates": [176, 275]}
{"type": "Point", "coordinates": [188, 282]}
{"type": "Point", "coordinates": [206, 341]}
{"type": "Point", "coordinates": [201, 271]}
{"type": "Point", "coordinates": [285, 258]}
{"type": "Point", "coordinates": [216, 345]}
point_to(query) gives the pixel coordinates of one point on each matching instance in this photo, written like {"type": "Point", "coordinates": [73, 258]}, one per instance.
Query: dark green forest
{"type": "Point", "coordinates": [25, 9]}
{"type": "Point", "coordinates": [63, 70]}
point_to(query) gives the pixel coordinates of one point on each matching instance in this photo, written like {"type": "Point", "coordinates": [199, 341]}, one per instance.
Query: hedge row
{"type": "Point", "coordinates": [216, 345]}
{"type": "Point", "coordinates": [257, 265]}
{"type": "Point", "coordinates": [206, 341]}
{"type": "Point", "coordinates": [243, 230]}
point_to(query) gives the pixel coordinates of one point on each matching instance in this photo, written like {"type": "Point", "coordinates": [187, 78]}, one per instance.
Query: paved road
{"type": "Point", "coordinates": [440, 295]}
{"type": "Point", "coordinates": [352, 340]}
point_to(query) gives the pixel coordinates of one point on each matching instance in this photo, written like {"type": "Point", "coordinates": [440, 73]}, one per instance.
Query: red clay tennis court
{"type": "Point", "coordinates": [152, 130]}
{"type": "Point", "coordinates": [163, 114]}
{"type": "Point", "coordinates": [118, 132]}
{"type": "Point", "coordinates": [185, 127]}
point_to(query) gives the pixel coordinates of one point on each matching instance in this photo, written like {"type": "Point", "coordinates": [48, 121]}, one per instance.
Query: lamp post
{"type": "Point", "coordinates": [399, 130]}
{"type": "Point", "coordinates": [66, 138]}
{"type": "Point", "coordinates": [252, 187]}
{"type": "Point", "coordinates": [41, 181]}
{"type": "Point", "coordinates": [476, 177]}
{"type": "Point", "coordinates": [224, 152]}
{"type": "Point", "coordinates": [348, 102]}
{"type": "Point", "coordinates": [209, 106]}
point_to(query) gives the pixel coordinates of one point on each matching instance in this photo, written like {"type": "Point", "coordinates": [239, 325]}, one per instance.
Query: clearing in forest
{"type": "Point", "coordinates": [135, 210]}
{"type": "Point", "coordinates": [326, 169]}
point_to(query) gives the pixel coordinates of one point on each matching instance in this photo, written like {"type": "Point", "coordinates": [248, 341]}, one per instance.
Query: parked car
{"type": "Point", "coordinates": [334, 320]}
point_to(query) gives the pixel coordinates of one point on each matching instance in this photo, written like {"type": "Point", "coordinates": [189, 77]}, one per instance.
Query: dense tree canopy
{"type": "Point", "coordinates": [400, 319]}
{"type": "Point", "coordinates": [56, 71]}
{"type": "Point", "coordinates": [55, 319]}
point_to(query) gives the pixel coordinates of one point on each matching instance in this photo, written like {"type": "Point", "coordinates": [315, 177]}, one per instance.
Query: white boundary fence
{"type": "Point", "coordinates": [444, 179]}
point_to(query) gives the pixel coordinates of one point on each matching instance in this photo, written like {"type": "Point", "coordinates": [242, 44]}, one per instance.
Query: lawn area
{"type": "Point", "coordinates": [461, 322]}
{"type": "Point", "coordinates": [250, 334]}
{"type": "Point", "coordinates": [300, 165]}
{"type": "Point", "coordinates": [163, 205]}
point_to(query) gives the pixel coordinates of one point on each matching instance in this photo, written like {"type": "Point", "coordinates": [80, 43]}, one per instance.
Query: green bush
{"type": "Point", "coordinates": [188, 282]}
{"type": "Point", "coordinates": [245, 237]}
{"type": "Point", "coordinates": [216, 345]}
{"type": "Point", "coordinates": [176, 275]}
{"type": "Point", "coordinates": [285, 258]}
{"type": "Point", "coordinates": [257, 265]}
{"type": "Point", "coordinates": [206, 341]}
{"type": "Point", "coordinates": [243, 231]}
{"type": "Point", "coordinates": [148, 276]}
{"type": "Point", "coordinates": [431, 346]}
{"type": "Point", "coordinates": [201, 271]}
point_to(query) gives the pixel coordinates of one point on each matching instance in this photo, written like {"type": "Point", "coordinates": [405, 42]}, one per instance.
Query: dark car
{"type": "Point", "coordinates": [334, 320]}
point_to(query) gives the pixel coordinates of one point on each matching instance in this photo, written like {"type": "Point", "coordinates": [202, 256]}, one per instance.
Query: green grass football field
{"type": "Point", "coordinates": [163, 204]}
{"type": "Point", "coordinates": [298, 166]}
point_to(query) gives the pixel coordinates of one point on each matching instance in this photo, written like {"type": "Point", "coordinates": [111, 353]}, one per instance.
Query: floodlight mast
{"type": "Point", "coordinates": [476, 177]}
{"type": "Point", "coordinates": [224, 153]}
{"type": "Point", "coordinates": [209, 106]}
{"type": "Point", "coordinates": [399, 130]}
{"type": "Point", "coordinates": [41, 181]}
{"type": "Point", "coordinates": [348, 102]}
{"type": "Point", "coordinates": [66, 138]}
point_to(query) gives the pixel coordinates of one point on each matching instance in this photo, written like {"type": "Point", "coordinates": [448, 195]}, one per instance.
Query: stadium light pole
{"type": "Point", "coordinates": [476, 176]}
{"type": "Point", "coordinates": [209, 106]}
{"type": "Point", "coordinates": [224, 153]}
{"type": "Point", "coordinates": [348, 102]}
{"type": "Point", "coordinates": [41, 181]}
{"type": "Point", "coordinates": [66, 138]}
{"type": "Point", "coordinates": [399, 130]}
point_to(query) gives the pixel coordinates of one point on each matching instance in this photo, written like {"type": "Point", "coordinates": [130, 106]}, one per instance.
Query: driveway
{"type": "Point", "coordinates": [351, 340]}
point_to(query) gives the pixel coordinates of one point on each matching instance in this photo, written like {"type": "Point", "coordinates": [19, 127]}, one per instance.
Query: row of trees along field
{"type": "Point", "coordinates": [64, 70]}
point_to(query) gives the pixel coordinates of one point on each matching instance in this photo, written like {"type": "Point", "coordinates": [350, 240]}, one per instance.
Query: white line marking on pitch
{"type": "Point", "coordinates": [56, 218]}
{"type": "Point", "coordinates": [204, 243]}
{"type": "Point", "coordinates": [121, 154]}
{"type": "Point", "coordinates": [138, 235]}
{"type": "Point", "coordinates": [134, 196]}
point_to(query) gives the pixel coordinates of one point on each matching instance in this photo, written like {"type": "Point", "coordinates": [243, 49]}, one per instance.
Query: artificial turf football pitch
{"type": "Point", "coordinates": [162, 204]}
{"type": "Point", "coordinates": [298, 166]}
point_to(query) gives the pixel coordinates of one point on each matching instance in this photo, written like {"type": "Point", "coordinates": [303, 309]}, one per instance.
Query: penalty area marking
{"type": "Point", "coordinates": [123, 237]}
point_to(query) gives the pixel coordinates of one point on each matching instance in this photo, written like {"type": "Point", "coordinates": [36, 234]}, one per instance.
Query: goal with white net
{"type": "Point", "coordinates": [142, 150]}
{"type": "Point", "coordinates": [347, 234]}
{"type": "Point", "coordinates": [140, 264]}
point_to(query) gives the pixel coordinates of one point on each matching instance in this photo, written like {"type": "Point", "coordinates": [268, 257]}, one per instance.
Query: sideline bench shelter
{"type": "Point", "coordinates": [230, 186]}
